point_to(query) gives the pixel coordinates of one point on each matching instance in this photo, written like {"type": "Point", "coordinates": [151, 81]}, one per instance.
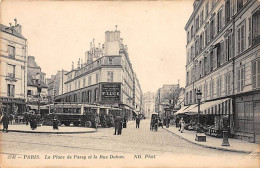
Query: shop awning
{"type": "Point", "coordinates": [186, 110]}
{"type": "Point", "coordinates": [207, 105]}
{"type": "Point", "coordinates": [181, 110]}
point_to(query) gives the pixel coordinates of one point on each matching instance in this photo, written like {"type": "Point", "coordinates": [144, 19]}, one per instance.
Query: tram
{"type": "Point", "coordinates": [82, 114]}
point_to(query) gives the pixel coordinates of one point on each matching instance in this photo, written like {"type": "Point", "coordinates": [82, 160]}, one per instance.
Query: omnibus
{"type": "Point", "coordinates": [82, 114]}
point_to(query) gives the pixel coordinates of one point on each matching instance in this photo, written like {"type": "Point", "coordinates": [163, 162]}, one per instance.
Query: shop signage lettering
{"type": "Point", "coordinates": [111, 92]}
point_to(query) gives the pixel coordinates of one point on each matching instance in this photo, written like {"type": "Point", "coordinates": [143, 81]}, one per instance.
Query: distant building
{"type": "Point", "coordinates": [149, 104]}
{"type": "Point", "coordinates": [35, 77]}
{"type": "Point", "coordinates": [165, 98]}
{"type": "Point", "coordinates": [13, 77]}
{"type": "Point", "coordinates": [223, 63]}
{"type": "Point", "coordinates": [106, 77]}
{"type": "Point", "coordinates": [56, 85]}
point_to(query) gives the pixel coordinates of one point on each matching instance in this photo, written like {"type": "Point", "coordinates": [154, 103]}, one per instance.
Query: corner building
{"type": "Point", "coordinates": [223, 62]}
{"type": "Point", "coordinates": [105, 78]}
{"type": "Point", "coordinates": [13, 64]}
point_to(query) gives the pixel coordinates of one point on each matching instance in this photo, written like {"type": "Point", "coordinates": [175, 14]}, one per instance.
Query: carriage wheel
{"type": "Point", "coordinates": [88, 124]}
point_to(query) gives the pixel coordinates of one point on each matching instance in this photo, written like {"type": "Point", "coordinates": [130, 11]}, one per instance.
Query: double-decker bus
{"type": "Point", "coordinates": [82, 114]}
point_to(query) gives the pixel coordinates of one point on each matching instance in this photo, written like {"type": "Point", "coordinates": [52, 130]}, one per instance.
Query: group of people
{"type": "Point", "coordinates": [120, 123]}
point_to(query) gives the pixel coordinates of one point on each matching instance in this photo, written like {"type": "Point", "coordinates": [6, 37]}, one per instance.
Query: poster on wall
{"type": "Point", "coordinates": [111, 92]}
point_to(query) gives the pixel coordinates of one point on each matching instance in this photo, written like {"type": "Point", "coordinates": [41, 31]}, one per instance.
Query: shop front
{"type": "Point", "coordinates": [247, 116]}
{"type": "Point", "coordinates": [15, 106]}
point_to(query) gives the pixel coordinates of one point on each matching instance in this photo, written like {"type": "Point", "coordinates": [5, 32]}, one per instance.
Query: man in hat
{"type": "Point", "coordinates": [5, 121]}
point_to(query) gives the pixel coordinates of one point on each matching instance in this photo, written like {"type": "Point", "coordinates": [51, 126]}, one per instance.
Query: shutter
{"type": "Point", "coordinates": [258, 74]}
{"type": "Point", "coordinates": [238, 80]}
{"type": "Point", "coordinates": [242, 38]}
{"type": "Point", "coordinates": [238, 41]}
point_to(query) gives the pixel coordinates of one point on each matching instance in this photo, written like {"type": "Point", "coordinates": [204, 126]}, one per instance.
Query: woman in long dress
{"type": "Point", "coordinates": [182, 123]}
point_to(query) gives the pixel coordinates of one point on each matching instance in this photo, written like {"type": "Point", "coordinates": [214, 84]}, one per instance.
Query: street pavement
{"type": "Point", "coordinates": [134, 148]}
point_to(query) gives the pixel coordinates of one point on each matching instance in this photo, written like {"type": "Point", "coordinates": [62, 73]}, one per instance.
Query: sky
{"type": "Point", "coordinates": [59, 32]}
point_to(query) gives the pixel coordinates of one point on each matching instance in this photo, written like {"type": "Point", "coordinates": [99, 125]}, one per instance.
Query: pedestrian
{"type": "Point", "coordinates": [33, 121]}
{"type": "Point", "coordinates": [124, 122]}
{"type": "Point", "coordinates": [182, 124]}
{"type": "Point", "coordinates": [5, 121]}
{"type": "Point", "coordinates": [120, 127]}
{"type": "Point", "coordinates": [177, 120]}
{"type": "Point", "coordinates": [117, 124]}
{"type": "Point", "coordinates": [55, 123]}
{"type": "Point", "coordinates": [160, 123]}
{"type": "Point", "coordinates": [137, 121]}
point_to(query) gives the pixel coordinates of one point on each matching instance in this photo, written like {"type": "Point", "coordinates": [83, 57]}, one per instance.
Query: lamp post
{"type": "Point", "coordinates": [198, 98]}
{"type": "Point", "coordinates": [39, 89]}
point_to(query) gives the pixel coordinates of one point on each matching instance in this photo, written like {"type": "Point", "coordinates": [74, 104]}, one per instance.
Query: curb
{"type": "Point", "coordinates": [41, 132]}
{"type": "Point", "coordinates": [208, 146]}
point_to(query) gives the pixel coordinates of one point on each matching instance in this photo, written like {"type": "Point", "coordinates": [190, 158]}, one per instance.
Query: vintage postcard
{"type": "Point", "coordinates": [130, 84]}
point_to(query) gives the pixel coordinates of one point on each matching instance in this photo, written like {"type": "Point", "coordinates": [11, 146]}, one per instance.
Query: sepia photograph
{"type": "Point", "coordinates": [129, 84]}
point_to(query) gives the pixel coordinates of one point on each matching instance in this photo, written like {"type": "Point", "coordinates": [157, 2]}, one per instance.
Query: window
{"type": "Point", "coordinates": [196, 47]}
{"type": "Point", "coordinates": [250, 32]}
{"type": "Point", "coordinates": [84, 82]}
{"type": "Point", "coordinates": [187, 78]}
{"type": "Point", "coordinates": [97, 76]}
{"type": "Point", "coordinates": [219, 86]}
{"type": "Point", "coordinates": [110, 76]}
{"type": "Point", "coordinates": [89, 96]}
{"type": "Point", "coordinates": [207, 9]}
{"type": "Point", "coordinates": [29, 92]}
{"type": "Point", "coordinates": [188, 37]}
{"type": "Point", "coordinates": [192, 52]}
{"type": "Point", "coordinates": [227, 11]}
{"type": "Point", "coordinates": [206, 65]}
{"type": "Point", "coordinates": [227, 83]}
{"type": "Point", "coordinates": [201, 17]}
{"type": "Point", "coordinates": [10, 71]}
{"type": "Point", "coordinates": [110, 61]}
{"type": "Point", "coordinates": [256, 27]}
{"type": "Point", "coordinates": [211, 88]}
{"type": "Point", "coordinates": [220, 20]}
{"type": "Point", "coordinates": [211, 56]}
{"type": "Point", "coordinates": [205, 91]}
{"type": "Point", "coordinates": [239, 4]}
{"type": "Point", "coordinates": [212, 29]}
{"type": "Point", "coordinates": [228, 48]}
{"type": "Point", "coordinates": [191, 32]}
{"type": "Point", "coordinates": [10, 90]}
{"type": "Point", "coordinates": [240, 78]}
{"type": "Point", "coordinates": [11, 51]}
{"type": "Point", "coordinates": [197, 23]}
{"type": "Point", "coordinates": [241, 39]}
{"type": "Point", "coordinates": [96, 95]}
{"type": "Point", "coordinates": [256, 74]}
{"type": "Point", "coordinates": [89, 80]}
{"type": "Point", "coordinates": [201, 41]}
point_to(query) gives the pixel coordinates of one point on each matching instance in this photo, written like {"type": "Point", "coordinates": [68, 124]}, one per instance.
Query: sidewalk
{"type": "Point", "coordinates": [48, 129]}
{"type": "Point", "coordinates": [215, 143]}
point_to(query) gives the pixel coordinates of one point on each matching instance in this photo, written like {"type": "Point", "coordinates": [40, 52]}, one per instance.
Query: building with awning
{"type": "Point", "coordinates": [206, 108]}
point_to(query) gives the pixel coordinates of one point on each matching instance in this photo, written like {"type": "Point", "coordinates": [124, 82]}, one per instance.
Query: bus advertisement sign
{"type": "Point", "coordinates": [111, 92]}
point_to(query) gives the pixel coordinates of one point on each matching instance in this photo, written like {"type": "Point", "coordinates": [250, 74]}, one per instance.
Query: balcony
{"type": "Point", "coordinates": [10, 77]}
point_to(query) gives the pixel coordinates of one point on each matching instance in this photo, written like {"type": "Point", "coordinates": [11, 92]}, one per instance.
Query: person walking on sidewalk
{"type": "Point", "coordinates": [5, 121]}
{"type": "Point", "coordinates": [137, 121]}
{"type": "Point", "coordinates": [182, 124]}
{"type": "Point", "coordinates": [177, 120]}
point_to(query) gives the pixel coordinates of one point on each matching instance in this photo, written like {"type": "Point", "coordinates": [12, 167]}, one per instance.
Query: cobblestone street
{"type": "Point", "coordinates": [133, 142]}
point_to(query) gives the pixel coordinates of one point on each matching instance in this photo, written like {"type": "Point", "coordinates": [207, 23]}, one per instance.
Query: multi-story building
{"type": "Point", "coordinates": [35, 77]}
{"type": "Point", "coordinates": [106, 77]}
{"type": "Point", "coordinates": [223, 61]}
{"type": "Point", "coordinates": [56, 85]}
{"type": "Point", "coordinates": [149, 104]}
{"type": "Point", "coordinates": [13, 77]}
{"type": "Point", "coordinates": [164, 99]}
{"type": "Point", "coordinates": [137, 96]}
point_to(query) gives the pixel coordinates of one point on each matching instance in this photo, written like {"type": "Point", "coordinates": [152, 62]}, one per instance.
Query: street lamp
{"type": "Point", "coordinates": [198, 98]}
{"type": "Point", "coordinates": [39, 89]}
